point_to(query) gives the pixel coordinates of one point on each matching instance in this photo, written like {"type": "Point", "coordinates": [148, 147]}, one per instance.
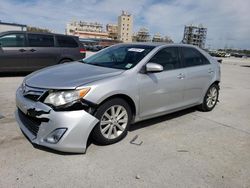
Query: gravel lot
{"type": "Point", "coordinates": [184, 149]}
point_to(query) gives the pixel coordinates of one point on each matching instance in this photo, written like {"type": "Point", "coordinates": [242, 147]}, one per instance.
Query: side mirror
{"type": "Point", "coordinates": [153, 67]}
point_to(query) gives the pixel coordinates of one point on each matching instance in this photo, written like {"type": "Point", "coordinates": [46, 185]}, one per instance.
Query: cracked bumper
{"type": "Point", "coordinates": [79, 125]}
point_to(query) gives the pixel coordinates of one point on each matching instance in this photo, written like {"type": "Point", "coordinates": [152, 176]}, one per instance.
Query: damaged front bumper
{"type": "Point", "coordinates": [41, 124]}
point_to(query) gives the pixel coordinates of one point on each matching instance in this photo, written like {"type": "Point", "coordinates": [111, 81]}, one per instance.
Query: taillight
{"type": "Point", "coordinates": [82, 51]}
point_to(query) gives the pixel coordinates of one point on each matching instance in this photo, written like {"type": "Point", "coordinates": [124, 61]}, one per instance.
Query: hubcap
{"type": "Point", "coordinates": [114, 121]}
{"type": "Point", "coordinates": [212, 97]}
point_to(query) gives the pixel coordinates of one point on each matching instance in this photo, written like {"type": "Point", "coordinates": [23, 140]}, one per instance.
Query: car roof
{"type": "Point", "coordinates": [157, 44]}
{"type": "Point", "coordinates": [29, 32]}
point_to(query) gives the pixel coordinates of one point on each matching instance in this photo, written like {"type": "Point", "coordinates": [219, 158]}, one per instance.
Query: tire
{"type": "Point", "coordinates": [207, 106]}
{"type": "Point", "coordinates": [112, 128]}
{"type": "Point", "coordinates": [65, 61]}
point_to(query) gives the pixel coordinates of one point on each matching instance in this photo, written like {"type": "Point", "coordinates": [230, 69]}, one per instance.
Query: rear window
{"type": "Point", "coordinates": [193, 57]}
{"type": "Point", "coordinates": [65, 41]}
{"type": "Point", "coordinates": [39, 40]}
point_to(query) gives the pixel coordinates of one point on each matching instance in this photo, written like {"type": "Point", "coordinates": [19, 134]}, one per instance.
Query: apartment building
{"type": "Point", "coordinates": [125, 27]}
{"type": "Point", "coordinates": [112, 30]}
{"type": "Point", "coordinates": [86, 30]}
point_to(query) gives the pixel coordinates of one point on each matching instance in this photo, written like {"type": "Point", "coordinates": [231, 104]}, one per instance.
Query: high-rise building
{"type": "Point", "coordinates": [112, 30]}
{"type": "Point", "coordinates": [125, 27]}
{"type": "Point", "coordinates": [86, 30]}
{"type": "Point", "coordinates": [195, 35]}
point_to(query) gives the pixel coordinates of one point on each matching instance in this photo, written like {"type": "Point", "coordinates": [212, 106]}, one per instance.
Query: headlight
{"type": "Point", "coordinates": [63, 97]}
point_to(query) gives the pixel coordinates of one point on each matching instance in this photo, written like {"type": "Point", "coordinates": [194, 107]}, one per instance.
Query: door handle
{"type": "Point", "coordinates": [22, 50]}
{"type": "Point", "coordinates": [32, 50]}
{"type": "Point", "coordinates": [210, 71]}
{"type": "Point", "coordinates": [181, 76]}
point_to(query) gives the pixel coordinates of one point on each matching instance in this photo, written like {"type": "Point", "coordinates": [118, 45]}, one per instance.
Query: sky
{"type": "Point", "coordinates": [227, 21]}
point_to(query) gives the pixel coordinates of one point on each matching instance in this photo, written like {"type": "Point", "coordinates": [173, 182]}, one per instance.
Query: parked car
{"type": "Point", "coordinates": [26, 51]}
{"type": "Point", "coordinates": [61, 106]}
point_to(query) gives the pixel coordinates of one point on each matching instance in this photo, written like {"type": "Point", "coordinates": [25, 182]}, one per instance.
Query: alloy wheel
{"type": "Point", "coordinates": [114, 121]}
{"type": "Point", "coordinates": [212, 97]}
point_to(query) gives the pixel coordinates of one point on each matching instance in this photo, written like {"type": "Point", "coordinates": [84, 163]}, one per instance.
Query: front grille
{"type": "Point", "coordinates": [31, 123]}
{"type": "Point", "coordinates": [33, 93]}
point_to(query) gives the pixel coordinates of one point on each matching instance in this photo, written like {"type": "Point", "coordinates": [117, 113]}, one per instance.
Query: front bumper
{"type": "Point", "coordinates": [78, 125]}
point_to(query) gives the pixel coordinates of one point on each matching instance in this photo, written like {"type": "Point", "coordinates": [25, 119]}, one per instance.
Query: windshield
{"type": "Point", "coordinates": [119, 56]}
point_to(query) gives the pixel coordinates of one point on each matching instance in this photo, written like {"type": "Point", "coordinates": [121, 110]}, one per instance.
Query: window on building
{"type": "Point", "coordinates": [12, 40]}
{"type": "Point", "coordinates": [193, 57]}
{"type": "Point", "coordinates": [168, 58]}
{"type": "Point", "coordinates": [40, 40]}
{"type": "Point", "coordinates": [66, 41]}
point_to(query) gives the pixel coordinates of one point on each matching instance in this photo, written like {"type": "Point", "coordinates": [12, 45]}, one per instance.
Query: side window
{"type": "Point", "coordinates": [12, 40]}
{"type": "Point", "coordinates": [193, 57]}
{"type": "Point", "coordinates": [67, 42]}
{"type": "Point", "coordinates": [168, 58]}
{"type": "Point", "coordinates": [39, 40]}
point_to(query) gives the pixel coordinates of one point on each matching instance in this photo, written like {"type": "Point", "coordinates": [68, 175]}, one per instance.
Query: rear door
{"type": "Point", "coordinates": [70, 47]}
{"type": "Point", "coordinates": [199, 73]}
{"type": "Point", "coordinates": [162, 91]}
{"type": "Point", "coordinates": [13, 52]}
{"type": "Point", "coordinates": [42, 51]}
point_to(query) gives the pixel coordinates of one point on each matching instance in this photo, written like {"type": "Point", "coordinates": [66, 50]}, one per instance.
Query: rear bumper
{"type": "Point", "coordinates": [78, 125]}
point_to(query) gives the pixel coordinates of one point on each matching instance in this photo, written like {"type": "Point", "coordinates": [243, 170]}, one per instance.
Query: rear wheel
{"type": "Point", "coordinates": [65, 61]}
{"type": "Point", "coordinates": [210, 99]}
{"type": "Point", "coordinates": [115, 118]}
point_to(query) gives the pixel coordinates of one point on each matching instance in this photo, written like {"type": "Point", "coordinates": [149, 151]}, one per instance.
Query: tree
{"type": "Point", "coordinates": [37, 29]}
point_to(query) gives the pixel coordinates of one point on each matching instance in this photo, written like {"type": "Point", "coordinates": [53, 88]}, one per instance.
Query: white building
{"type": "Point", "coordinates": [86, 30]}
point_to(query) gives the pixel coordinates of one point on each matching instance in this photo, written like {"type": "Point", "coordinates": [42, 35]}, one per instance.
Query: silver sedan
{"type": "Point", "coordinates": [60, 107]}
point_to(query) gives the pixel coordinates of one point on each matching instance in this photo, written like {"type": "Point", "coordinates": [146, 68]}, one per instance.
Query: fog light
{"type": "Point", "coordinates": [55, 136]}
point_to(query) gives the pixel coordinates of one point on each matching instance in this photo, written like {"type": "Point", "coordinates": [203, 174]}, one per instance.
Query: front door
{"type": "Point", "coordinates": [163, 91]}
{"type": "Point", "coordinates": [13, 52]}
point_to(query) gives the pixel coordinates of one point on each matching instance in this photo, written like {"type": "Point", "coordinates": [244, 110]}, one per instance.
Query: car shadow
{"type": "Point", "coordinates": [14, 74]}
{"type": "Point", "coordinates": [247, 66]}
{"type": "Point", "coordinates": [43, 148]}
{"type": "Point", "coordinates": [156, 120]}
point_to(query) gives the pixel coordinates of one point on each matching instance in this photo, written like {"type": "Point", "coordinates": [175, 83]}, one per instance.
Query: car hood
{"type": "Point", "coordinates": [69, 76]}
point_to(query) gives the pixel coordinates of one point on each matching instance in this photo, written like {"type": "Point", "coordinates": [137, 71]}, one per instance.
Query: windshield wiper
{"type": "Point", "coordinates": [95, 64]}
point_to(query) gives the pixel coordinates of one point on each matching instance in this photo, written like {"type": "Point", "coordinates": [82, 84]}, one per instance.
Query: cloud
{"type": "Point", "coordinates": [227, 21]}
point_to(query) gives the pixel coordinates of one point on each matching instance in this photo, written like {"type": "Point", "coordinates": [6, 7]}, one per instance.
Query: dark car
{"type": "Point", "coordinates": [27, 51]}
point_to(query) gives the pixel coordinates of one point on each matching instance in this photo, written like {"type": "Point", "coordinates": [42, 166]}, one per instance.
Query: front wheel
{"type": "Point", "coordinates": [210, 99]}
{"type": "Point", "coordinates": [115, 118]}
